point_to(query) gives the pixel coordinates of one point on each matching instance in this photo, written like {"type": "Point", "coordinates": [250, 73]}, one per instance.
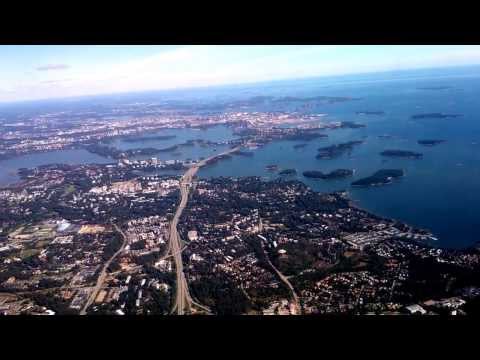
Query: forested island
{"type": "Point", "coordinates": [402, 153]}
{"type": "Point", "coordinates": [430, 142]}
{"type": "Point", "coordinates": [332, 151]}
{"type": "Point", "coordinates": [335, 174]}
{"type": "Point", "coordinates": [287, 172]}
{"type": "Point", "coordinates": [381, 177]}
{"type": "Point", "coordinates": [435, 116]}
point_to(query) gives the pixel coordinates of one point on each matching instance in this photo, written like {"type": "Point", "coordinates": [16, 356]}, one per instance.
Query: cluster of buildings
{"type": "Point", "coordinates": [55, 262]}
{"type": "Point", "coordinates": [249, 246]}
{"type": "Point", "coordinates": [339, 259]}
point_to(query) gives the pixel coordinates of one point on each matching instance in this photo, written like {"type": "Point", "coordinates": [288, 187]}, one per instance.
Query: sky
{"type": "Point", "coordinates": [45, 72]}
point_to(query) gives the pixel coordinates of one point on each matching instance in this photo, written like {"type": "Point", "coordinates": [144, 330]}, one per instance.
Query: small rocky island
{"type": "Point", "coordinates": [287, 172]}
{"type": "Point", "coordinates": [299, 146]}
{"type": "Point", "coordinates": [336, 150]}
{"type": "Point", "coordinates": [435, 116]}
{"type": "Point", "coordinates": [243, 153]}
{"type": "Point", "coordinates": [430, 142]}
{"type": "Point", "coordinates": [351, 125]}
{"type": "Point", "coordinates": [402, 153]}
{"type": "Point", "coordinates": [271, 167]}
{"type": "Point", "coordinates": [381, 177]}
{"type": "Point", "coordinates": [434, 88]}
{"type": "Point", "coordinates": [335, 174]}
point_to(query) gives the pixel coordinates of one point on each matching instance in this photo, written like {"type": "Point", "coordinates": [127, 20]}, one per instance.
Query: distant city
{"type": "Point", "coordinates": [302, 197]}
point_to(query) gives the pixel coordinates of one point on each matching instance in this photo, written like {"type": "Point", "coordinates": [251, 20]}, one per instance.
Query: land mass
{"type": "Point", "coordinates": [321, 99]}
{"type": "Point", "coordinates": [435, 87]}
{"type": "Point", "coordinates": [243, 153]}
{"type": "Point", "coordinates": [287, 172]}
{"type": "Point", "coordinates": [336, 150]}
{"type": "Point", "coordinates": [381, 177]}
{"type": "Point", "coordinates": [351, 125]}
{"type": "Point", "coordinates": [299, 146]}
{"type": "Point", "coordinates": [336, 174]}
{"type": "Point", "coordinates": [370, 113]}
{"type": "Point", "coordinates": [435, 116]}
{"type": "Point", "coordinates": [430, 142]}
{"type": "Point", "coordinates": [149, 138]}
{"type": "Point", "coordinates": [402, 153]}
{"type": "Point", "coordinates": [305, 136]}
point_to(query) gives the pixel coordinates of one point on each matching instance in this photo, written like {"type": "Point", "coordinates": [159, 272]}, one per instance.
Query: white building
{"type": "Point", "coordinates": [412, 309]}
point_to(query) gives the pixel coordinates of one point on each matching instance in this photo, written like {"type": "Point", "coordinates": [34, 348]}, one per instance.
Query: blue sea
{"type": "Point", "coordinates": [439, 192]}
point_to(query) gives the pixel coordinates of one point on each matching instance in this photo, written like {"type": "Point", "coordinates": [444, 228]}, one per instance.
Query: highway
{"type": "Point", "coordinates": [103, 274]}
{"type": "Point", "coordinates": [183, 301]}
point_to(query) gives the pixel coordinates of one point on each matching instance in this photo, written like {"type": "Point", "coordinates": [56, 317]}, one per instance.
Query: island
{"type": "Point", "coordinates": [319, 99]}
{"type": "Point", "coordinates": [299, 146]}
{"type": "Point", "coordinates": [335, 174]}
{"type": "Point", "coordinates": [114, 153]}
{"type": "Point", "coordinates": [435, 116]}
{"type": "Point", "coordinates": [288, 172]}
{"type": "Point", "coordinates": [167, 149]}
{"type": "Point", "coordinates": [430, 142]}
{"type": "Point", "coordinates": [272, 167]}
{"type": "Point", "coordinates": [333, 151]}
{"type": "Point", "coordinates": [381, 177]}
{"type": "Point", "coordinates": [370, 113]}
{"type": "Point", "coordinates": [435, 88]}
{"type": "Point", "coordinates": [402, 153]}
{"type": "Point", "coordinates": [351, 125]}
{"type": "Point", "coordinates": [188, 143]}
{"type": "Point", "coordinates": [243, 153]}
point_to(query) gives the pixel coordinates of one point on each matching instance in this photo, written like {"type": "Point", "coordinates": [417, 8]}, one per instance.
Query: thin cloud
{"type": "Point", "coordinates": [55, 81]}
{"type": "Point", "coordinates": [50, 67]}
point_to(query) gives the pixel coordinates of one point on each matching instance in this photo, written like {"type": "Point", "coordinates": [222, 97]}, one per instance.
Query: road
{"type": "Point", "coordinates": [103, 274]}
{"type": "Point", "coordinates": [183, 301]}
{"type": "Point", "coordinates": [284, 279]}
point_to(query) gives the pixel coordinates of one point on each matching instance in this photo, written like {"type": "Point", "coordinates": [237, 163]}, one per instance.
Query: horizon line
{"type": "Point", "coordinates": [216, 86]}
